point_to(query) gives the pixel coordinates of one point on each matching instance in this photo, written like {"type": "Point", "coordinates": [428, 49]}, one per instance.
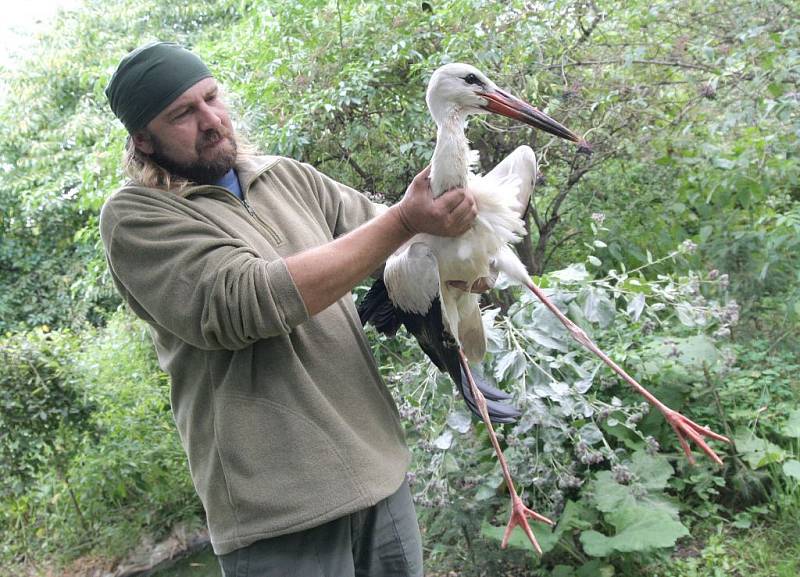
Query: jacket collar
{"type": "Point", "coordinates": [248, 168]}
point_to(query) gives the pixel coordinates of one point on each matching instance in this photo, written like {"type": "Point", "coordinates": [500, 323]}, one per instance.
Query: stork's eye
{"type": "Point", "coordinates": [472, 79]}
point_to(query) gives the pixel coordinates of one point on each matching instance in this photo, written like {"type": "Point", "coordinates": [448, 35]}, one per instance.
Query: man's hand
{"type": "Point", "coordinates": [452, 214]}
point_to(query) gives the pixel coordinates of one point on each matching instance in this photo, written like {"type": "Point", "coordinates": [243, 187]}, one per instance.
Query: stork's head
{"type": "Point", "coordinates": [465, 89]}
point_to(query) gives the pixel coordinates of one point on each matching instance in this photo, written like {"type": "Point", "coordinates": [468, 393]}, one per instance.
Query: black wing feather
{"type": "Point", "coordinates": [377, 308]}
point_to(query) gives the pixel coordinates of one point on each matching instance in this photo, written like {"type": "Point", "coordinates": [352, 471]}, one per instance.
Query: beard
{"type": "Point", "coordinates": [203, 170]}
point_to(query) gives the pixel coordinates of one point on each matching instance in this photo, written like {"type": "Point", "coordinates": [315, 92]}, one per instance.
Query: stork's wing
{"type": "Point", "coordinates": [377, 309]}
{"type": "Point", "coordinates": [520, 165]}
{"type": "Point", "coordinates": [412, 277]}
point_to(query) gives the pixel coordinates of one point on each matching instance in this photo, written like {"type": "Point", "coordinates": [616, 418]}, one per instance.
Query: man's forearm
{"type": "Point", "coordinates": [326, 273]}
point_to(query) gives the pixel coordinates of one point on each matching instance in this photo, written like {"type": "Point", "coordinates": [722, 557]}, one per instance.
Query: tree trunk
{"type": "Point", "coordinates": [525, 247]}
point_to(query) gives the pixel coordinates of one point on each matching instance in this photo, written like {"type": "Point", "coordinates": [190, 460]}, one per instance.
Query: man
{"type": "Point", "coordinates": [242, 266]}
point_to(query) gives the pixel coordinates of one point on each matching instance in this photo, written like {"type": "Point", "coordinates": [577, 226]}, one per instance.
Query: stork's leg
{"type": "Point", "coordinates": [519, 512]}
{"type": "Point", "coordinates": [683, 426]}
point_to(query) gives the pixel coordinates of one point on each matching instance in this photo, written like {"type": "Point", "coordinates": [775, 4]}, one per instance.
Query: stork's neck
{"type": "Point", "coordinates": [450, 164]}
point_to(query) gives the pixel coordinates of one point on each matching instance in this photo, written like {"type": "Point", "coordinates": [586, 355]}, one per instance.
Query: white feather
{"type": "Point", "coordinates": [412, 277]}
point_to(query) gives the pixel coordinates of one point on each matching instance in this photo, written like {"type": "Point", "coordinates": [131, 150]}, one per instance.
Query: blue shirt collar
{"type": "Point", "coordinates": [230, 180]}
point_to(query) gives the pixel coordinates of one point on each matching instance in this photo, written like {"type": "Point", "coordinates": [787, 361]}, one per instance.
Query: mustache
{"type": "Point", "coordinates": [211, 137]}
{"type": "Point", "coordinates": [199, 171]}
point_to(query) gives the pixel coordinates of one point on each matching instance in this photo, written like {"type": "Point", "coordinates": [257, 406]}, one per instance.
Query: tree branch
{"type": "Point", "coordinates": [368, 181]}
{"type": "Point", "coordinates": [555, 246]}
{"type": "Point", "coordinates": [586, 32]}
{"type": "Point", "coordinates": [674, 63]}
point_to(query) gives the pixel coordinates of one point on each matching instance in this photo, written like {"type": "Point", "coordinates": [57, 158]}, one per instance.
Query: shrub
{"type": "Point", "coordinates": [586, 451]}
{"type": "Point", "coordinates": [125, 474]}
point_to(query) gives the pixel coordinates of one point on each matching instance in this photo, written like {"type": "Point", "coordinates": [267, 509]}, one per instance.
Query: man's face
{"type": "Point", "coordinates": [193, 137]}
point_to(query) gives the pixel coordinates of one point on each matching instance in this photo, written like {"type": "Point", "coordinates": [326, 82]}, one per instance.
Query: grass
{"type": "Point", "coordinates": [764, 550]}
{"type": "Point", "coordinates": [768, 548]}
{"type": "Point", "coordinates": [201, 564]}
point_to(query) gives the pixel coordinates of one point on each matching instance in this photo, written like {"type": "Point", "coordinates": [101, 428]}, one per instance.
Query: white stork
{"type": "Point", "coordinates": [420, 271]}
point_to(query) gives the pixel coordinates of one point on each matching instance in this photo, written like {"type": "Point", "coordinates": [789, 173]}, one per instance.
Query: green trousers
{"type": "Point", "coordinates": [381, 541]}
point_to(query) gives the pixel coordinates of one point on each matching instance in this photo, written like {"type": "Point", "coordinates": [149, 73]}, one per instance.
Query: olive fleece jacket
{"type": "Point", "coordinates": [284, 418]}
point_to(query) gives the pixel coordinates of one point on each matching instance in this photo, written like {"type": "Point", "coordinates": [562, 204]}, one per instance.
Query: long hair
{"type": "Point", "coordinates": [144, 171]}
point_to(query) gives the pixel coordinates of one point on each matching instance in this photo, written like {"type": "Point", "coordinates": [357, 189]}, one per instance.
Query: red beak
{"type": "Point", "coordinates": [505, 104]}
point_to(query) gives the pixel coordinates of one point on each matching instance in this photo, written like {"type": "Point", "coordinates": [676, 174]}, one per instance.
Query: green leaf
{"type": "Point", "coordinates": [637, 529]}
{"type": "Point", "coordinates": [598, 307]}
{"type": "Point", "coordinates": [590, 434]}
{"type": "Point", "coordinates": [723, 163]}
{"type": "Point", "coordinates": [485, 492]}
{"type": "Point", "coordinates": [610, 496]}
{"type": "Point", "coordinates": [511, 365]}
{"type": "Point", "coordinates": [775, 89]}
{"type": "Point", "coordinates": [650, 475]}
{"type": "Point", "coordinates": [743, 520]}
{"type": "Point", "coordinates": [636, 306]}
{"type": "Point", "coordinates": [792, 426]}
{"type": "Point", "coordinates": [572, 517]}
{"type": "Point", "coordinates": [545, 340]}
{"type": "Point", "coordinates": [444, 441]}
{"type": "Point", "coordinates": [652, 471]}
{"type": "Point", "coordinates": [573, 273]}
{"type": "Point", "coordinates": [791, 468]}
{"type": "Point", "coordinates": [451, 465]}
{"type": "Point", "coordinates": [596, 568]}
{"type": "Point", "coordinates": [684, 355]}
{"type": "Point", "coordinates": [459, 420]}
{"type": "Point", "coordinates": [686, 314]}
{"type": "Point", "coordinates": [756, 451]}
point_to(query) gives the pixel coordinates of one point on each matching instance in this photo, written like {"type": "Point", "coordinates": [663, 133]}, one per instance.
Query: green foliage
{"type": "Point", "coordinates": [41, 409]}
{"type": "Point", "coordinates": [690, 115]}
{"type": "Point", "coordinates": [758, 452]}
{"type": "Point", "coordinates": [637, 529]}
{"type": "Point", "coordinates": [125, 479]}
{"type": "Point", "coordinates": [748, 546]}
{"type": "Point", "coordinates": [581, 459]}
{"type": "Point", "coordinates": [59, 159]}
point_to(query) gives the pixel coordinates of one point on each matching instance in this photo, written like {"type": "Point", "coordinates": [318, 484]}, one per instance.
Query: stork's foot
{"type": "Point", "coordinates": [685, 428]}
{"type": "Point", "coordinates": [519, 516]}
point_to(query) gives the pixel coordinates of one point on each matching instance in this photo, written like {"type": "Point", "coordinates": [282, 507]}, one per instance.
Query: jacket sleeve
{"type": "Point", "coordinates": [187, 276]}
{"type": "Point", "coordinates": [344, 208]}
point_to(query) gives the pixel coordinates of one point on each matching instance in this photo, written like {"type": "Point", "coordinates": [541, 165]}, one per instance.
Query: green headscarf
{"type": "Point", "coordinates": [149, 79]}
